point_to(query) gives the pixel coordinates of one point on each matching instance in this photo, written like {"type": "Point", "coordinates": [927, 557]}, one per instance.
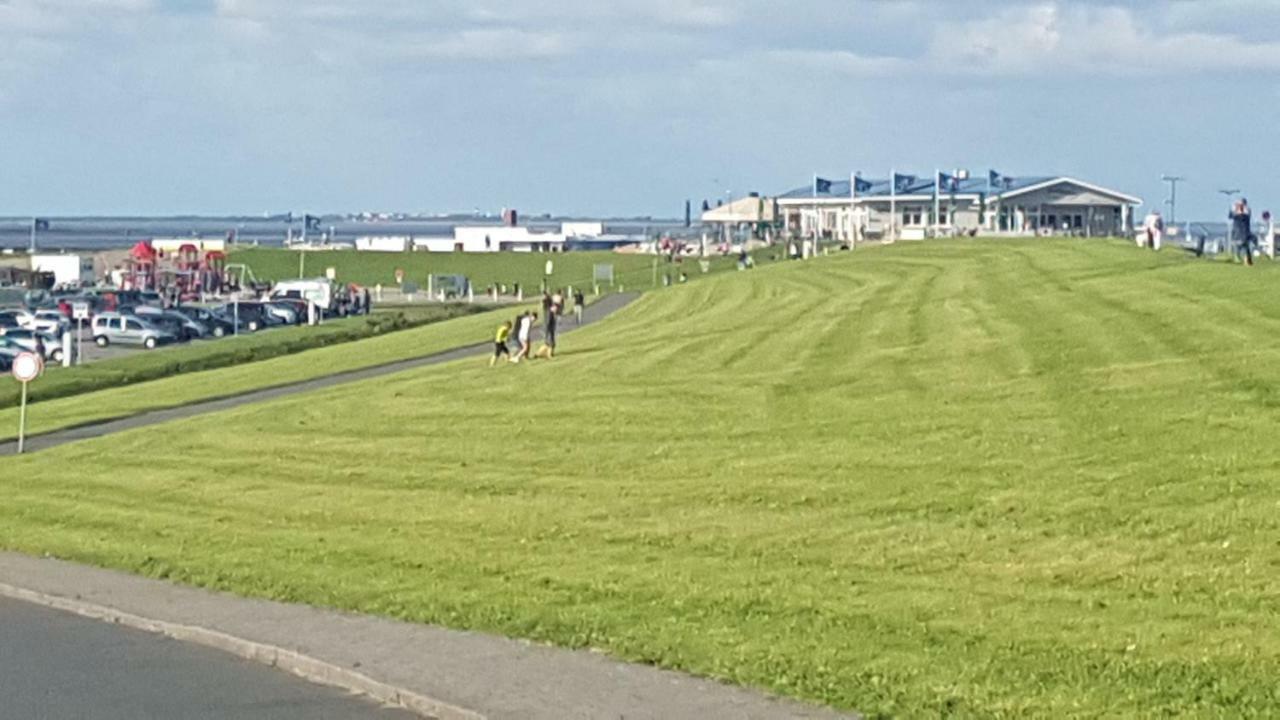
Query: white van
{"type": "Point", "coordinates": [316, 290]}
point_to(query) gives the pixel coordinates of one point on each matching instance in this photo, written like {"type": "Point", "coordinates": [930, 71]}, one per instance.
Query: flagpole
{"type": "Point", "coordinates": [987, 203]}
{"type": "Point", "coordinates": [937, 200]}
{"type": "Point", "coordinates": [893, 203]}
{"type": "Point", "coordinates": [853, 197]}
{"type": "Point", "coordinates": [817, 215]}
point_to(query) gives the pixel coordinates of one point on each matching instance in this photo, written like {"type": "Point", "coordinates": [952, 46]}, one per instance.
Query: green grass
{"type": "Point", "coordinates": [633, 272]}
{"type": "Point", "coordinates": [140, 366]}
{"type": "Point", "coordinates": [174, 390]}
{"type": "Point", "coordinates": [975, 479]}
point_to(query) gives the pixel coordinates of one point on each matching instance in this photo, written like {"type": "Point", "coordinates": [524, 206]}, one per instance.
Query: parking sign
{"type": "Point", "coordinates": [80, 311]}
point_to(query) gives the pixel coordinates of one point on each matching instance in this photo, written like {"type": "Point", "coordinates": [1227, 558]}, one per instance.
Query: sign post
{"type": "Point", "coordinates": [26, 367]}
{"type": "Point", "coordinates": [79, 311]}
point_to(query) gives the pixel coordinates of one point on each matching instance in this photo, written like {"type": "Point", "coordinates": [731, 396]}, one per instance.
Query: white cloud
{"type": "Point", "coordinates": [1055, 37]}
{"type": "Point", "coordinates": [841, 62]}
{"type": "Point", "coordinates": [496, 44]}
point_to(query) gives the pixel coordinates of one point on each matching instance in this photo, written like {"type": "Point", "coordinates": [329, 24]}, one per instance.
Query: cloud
{"type": "Point", "coordinates": [492, 45]}
{"type": "Point", "coordinates": [1053, 37]}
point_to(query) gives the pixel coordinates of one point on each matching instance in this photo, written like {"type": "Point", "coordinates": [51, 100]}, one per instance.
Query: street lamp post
{"type": "Point", "coordinates": [1173, 181]}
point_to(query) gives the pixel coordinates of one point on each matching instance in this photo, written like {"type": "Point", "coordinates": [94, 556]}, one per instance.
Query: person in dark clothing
{"type": "Point", "coordinates": [579, 303]}
{"type": "Point", "coordinates": [548, 349]}
{"type": "Point", "coordinates": [368, 301]}
{"type": "Point", "coordinates": [1242, 229]}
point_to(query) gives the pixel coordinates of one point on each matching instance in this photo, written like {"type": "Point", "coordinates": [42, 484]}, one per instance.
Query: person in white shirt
{"type": "Point", "coordinates": [1152, 230]}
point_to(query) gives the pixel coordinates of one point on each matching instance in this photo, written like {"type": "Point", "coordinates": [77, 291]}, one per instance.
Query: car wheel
{"type": "Point", "coordinates": [149, 343]}
{"type": "Point", "coordinates": [219, 331]}
{"type": "Point", "coordinates": [102, 341]}
{"type": "Point", "coordinates": [253, 326]}
{"type": "Point", "coordinates": [56, 356]}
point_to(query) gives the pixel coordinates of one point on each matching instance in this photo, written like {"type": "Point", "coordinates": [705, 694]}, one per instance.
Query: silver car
{"type": "Point", "coordinates": [24, 340]}
{"type": "Point", "coordinates": [110, 327]}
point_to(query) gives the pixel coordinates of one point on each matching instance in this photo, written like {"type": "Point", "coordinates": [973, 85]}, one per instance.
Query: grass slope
{"type": "Point", "coordinates": [975, 479]}
{"type": "Point", "coordinates": [176, 390]}
{"type": "Point", "coordinates": [143, 365]}
{"type": "Point", "coordinates": [635, 272]}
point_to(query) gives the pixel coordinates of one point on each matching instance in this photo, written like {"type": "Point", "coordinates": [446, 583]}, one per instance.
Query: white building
{"type": "Point", "coordinates": [1045, 205]}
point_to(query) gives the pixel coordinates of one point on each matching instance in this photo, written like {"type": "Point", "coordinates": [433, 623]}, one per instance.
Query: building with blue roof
{"type": "Point", "coordinates": [920, 206]}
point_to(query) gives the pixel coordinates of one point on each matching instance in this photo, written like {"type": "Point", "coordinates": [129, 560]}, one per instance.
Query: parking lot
{"type": "Point", "coordinates": [115, 324]}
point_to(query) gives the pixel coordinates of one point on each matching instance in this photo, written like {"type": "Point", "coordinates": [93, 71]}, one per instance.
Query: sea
{"type": "Point", "coordinates": [105, 233]}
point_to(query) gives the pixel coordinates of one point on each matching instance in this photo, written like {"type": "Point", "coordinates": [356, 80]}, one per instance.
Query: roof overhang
{"type": "Point", "coordinates": [1088, 186]}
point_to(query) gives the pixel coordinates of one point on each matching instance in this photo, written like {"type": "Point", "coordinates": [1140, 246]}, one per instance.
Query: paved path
{"type": "Point", "coordinates": [441, 673]}
{"type": "Point", "coordinates": [594, 312]}
{"type": "Point", "coordinates": [58, 665]}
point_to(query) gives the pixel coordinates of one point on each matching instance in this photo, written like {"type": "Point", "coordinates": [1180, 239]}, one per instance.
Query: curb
{"type": "Point", "coordinates": [304, 666]}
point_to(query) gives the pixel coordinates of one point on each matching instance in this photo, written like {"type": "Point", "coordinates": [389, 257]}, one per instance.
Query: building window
{"type": "Point", "coordinates": [912, 216]}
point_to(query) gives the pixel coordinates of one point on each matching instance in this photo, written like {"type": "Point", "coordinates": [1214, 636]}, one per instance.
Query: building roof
{"type": "Point", "coordinates": [923, 185]}
{"type": "Point", "coordinates": [742, 210]}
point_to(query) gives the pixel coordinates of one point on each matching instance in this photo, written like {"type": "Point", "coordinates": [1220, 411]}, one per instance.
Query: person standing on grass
{"type": "Point", "coordinates": [522, 335]}
{"type": "Point", "coordinates": [579, 303]}
{"type": "Point", "coordinates": [500, 343]}
{"type": "Point", "coordinates": [548, 349]}
{"type": "Point", "coordinates": [1242, 229]}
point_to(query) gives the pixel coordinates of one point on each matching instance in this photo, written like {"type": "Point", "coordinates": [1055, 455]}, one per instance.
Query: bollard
{"type": "Point", "coordinates": [66, 348]}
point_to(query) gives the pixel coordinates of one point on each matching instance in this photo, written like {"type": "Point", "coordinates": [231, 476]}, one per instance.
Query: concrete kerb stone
{"type": "Point", "coordinates": [303, 666]}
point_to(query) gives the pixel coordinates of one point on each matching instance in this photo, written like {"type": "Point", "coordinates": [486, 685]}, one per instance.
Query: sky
{"type": "Point", "coordinates": [618, 107]}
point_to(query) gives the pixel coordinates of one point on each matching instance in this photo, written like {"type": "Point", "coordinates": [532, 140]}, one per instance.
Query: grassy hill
{"type": "Point", "coordinates": [484, 269]}
{"type": "Point", "coordinates": [961, 478]}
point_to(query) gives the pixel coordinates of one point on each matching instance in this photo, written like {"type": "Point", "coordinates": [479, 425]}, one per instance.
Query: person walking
{"type": "Point", "coordinates": [500, 343]}
{"type": "Point", "coordinates": [1242, 229]}
{"type": "Point", "coordinates": [579, 304]}
{"type": "Point", "coordinates": [523, 330]}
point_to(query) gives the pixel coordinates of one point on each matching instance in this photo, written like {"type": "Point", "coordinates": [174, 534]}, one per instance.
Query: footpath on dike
{"type": "Point", "coordinates": [593, 313]}
{"type": "Point", "coordinates": [431, 671]}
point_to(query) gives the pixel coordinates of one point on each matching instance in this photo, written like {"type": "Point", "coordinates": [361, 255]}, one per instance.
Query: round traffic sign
{"type": "Point", "coordinates": [27, 366]}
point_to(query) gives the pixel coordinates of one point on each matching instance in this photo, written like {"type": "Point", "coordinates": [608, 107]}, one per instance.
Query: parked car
{"type": "Point", "coordinates": [254, 315]}
{"type": "Point", "coordinates": [15, 318]}
{"type": "Point", "coordinates": [50, 321]}
{"type": "Point", "coordinates": [286, 312]}
{"type": "Point", "coordinates": [110, 327]}
{"type": "Point", "coordinates": [174, 325]}
{"type": "Point", "coordinates": [298, 306]}
{"type": "Point", "coordinates": [216, 324]}
{"type": "Point", "coordinates": [24, 340]}
{"type": "Point", "coordinates": [192, 328]}
{"type": "Point", "coordinates": [6, 360]}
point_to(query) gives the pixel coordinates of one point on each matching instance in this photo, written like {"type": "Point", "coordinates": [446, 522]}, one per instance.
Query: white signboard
{"type": "Point", "coordinates": [80, 311]}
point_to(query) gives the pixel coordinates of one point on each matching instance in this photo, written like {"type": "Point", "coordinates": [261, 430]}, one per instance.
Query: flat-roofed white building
{"type": "Point", "coordinates": [492, 238]}
{"type": "Point", "coordinates": [1041, 205]}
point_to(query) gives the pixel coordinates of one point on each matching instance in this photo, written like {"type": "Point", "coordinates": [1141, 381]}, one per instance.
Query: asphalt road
{"type": "Point", "coordinates": [59, 665]}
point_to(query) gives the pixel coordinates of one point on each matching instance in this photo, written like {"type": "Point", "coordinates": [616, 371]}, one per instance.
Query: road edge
{"type": "Point", "coordinates": [308, 668]}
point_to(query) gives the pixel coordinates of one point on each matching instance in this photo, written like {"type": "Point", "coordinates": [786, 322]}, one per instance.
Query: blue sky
{"type": "Point", "coordinates": [621, 107]}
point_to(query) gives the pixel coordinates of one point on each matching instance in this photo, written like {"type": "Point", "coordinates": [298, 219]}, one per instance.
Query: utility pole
{"type": "Point", "coordinates": [1173, 181]}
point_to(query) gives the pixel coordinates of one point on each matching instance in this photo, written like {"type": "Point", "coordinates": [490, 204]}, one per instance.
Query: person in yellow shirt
{"type": "Point", "coordinates": [500, 343]}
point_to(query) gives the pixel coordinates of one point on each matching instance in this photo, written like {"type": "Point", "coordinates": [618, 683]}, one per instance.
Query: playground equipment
{"type": "Point", "coordinates": [140, 267]}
